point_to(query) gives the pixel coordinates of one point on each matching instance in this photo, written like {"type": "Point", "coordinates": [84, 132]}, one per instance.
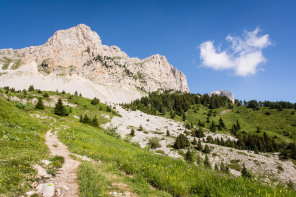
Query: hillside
{"type": "Point", "coordinates": [75, 59]}
{"type": "Point", "coordinates": [110, 165]}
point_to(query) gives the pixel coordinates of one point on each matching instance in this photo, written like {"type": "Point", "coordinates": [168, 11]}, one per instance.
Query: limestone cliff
{"type": "Point", "coordinates": [79, 52]}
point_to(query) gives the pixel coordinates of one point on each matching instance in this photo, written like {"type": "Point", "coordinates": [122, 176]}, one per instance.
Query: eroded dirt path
{"type": "Point", "coordinates": [65, 182]}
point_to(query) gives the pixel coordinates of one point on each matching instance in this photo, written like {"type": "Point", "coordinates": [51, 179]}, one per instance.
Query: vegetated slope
{"type": "Point", "coordinates": [194, 108]}
{"type": "Point", "coordinates": [256, 144]}
{"type": "Point", "coordinates": [21, 146]}
{"type": "Point", "coordinates": [130, 164]}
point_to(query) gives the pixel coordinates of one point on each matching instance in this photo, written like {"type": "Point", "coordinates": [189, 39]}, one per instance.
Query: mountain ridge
{"type": "Point", "coordinates": [78, 51]}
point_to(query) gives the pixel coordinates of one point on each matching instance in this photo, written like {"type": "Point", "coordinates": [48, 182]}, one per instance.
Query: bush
{"type": "Point", "coordinates": [181, 142]}
{"type": "Point", "coordinates": [207, 162]}
{"type": "Point", "coordinates": [245, 172]}
{"type": "Point", "coordinates": [132, 132]}
{"type": "Point", "coordinates": [112, 132]}
{"type": "Point", "coordinates": [60, 109]}
{"type": "Point", "coordinates": [207, 149]}
{"type": "Point", "coordinates": [168, 133]}
{"type": "Point", "coordinates": [95, 101]}
{"type": "Point", "coordinates": [45, 95]}
{"type": "Point", "coordinates": [154, 142]}
{"type": "Point", "coordinates": [39, 104]}
{"type": "Point", "coordinates": [31, 88]}
{"type": "Point", "coordinates": [189, 156]}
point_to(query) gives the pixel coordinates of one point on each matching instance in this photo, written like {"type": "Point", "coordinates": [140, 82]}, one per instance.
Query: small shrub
{"type": "Point", "coordinates": [45, 95]}
{"type": "Point", "coordinates": [245, 172]}
{"type": "Point", "coordinates": [154, 142]}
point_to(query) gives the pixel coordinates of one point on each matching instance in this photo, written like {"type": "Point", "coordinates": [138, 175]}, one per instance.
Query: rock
{"type": "Point", "coordinates": [46, 189]}
{"type": "Point", "coordinates": [223, 93]}
{"type": "Point", "coordinates": [77, 53]}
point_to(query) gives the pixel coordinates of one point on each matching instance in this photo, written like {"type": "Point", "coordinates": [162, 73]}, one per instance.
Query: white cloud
{"type": "Point", "coordinates": [243, 56]}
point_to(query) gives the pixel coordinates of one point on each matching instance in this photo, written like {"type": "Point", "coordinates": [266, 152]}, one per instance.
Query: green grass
{"type": "Point", "coordinates": [176, 177]}
{"type": "Point", "coordinates": [280, 123]}
{"type": "Point", "coordinates": [3, 73]}
{"type": "Point", "coordinates": [6, 63]}
{"type": "Point", "coordinates": [16, 64]}
{"type": "Point", "coordinates": [116, 161]}
{"type": "Point", "coordinates": [21, 145]}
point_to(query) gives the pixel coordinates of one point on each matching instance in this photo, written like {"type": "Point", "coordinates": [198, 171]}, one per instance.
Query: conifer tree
{"type": "Point", "coordinates": [86, 119]}
{"type": "Point", "coordinates": [95, 101]}
{"type": "Point", "coordinates": [194, 141]}
{"type": "Point", "coordinates": [189, 156]}
{"type": "Point", "coordinates": [39, 104]}
{"type": "Point", "coordinates": [76, 94]}
{"type": "Point", "coordinates": [207, 149]}
{"type": "Point", "coordinates": [132, 132]}
{"type": "Point", "coordinates": [221, 123]}
{"type": "Point", "coordinates": [199, 146]}
{"type": "Point", "coordinates": [207, 162]}
{"type": "Point", "coordinates": [238, 125]}
{"type": "Point", "coordinates": [198, 159]}
{"type": "Point", "coordinates": [168, 133]}
{"type": "Point", "coordinates": [31, 88]}
{"type": "Point", "coordinates": [245, 172]}
{"type": "Point", "coordinates": [94, 122]}
{"type": "Point", "coordinates": [213, 126]}
{"type": "Point", "coordinates": [60, 109]}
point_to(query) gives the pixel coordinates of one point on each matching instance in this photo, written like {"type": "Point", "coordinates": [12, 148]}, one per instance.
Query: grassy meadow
{"type": "Point", "coordinates": [118, 164]}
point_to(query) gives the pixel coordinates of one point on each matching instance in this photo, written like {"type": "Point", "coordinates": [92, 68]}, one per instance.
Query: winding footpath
{"type": "Point", "coordinates": [65, 182]}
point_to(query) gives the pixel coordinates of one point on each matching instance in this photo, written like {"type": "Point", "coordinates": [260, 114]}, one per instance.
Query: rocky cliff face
{"type": "Point", "coordinates": [224, 93]}
{"type": "Point", "coordinates": [79, 51]}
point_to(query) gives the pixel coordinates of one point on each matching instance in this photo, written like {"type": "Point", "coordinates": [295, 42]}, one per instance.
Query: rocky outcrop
{"type": "Point", "coordinates": [79, 51]}
{"type": "Point", "coordinates": [223, 93]}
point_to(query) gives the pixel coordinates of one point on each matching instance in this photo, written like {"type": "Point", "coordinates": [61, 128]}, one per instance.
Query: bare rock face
{"type": "Point", "coordinates": [223, 93]}
{"type": "Point", "coordinates": [79, 51]}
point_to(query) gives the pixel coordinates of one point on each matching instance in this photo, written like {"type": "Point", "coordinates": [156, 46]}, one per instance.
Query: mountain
{"type": "Point", "coordinates": [223, 93]}
{"type": "Point", "coordinates": [75, 59]}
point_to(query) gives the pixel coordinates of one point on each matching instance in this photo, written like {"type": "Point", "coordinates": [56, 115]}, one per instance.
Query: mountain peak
{"type": "Point", "coordinates": [78, 36]}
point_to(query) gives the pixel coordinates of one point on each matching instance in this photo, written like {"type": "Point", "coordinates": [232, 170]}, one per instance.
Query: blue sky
{"type": "Point", "coordinates": [177, 29]}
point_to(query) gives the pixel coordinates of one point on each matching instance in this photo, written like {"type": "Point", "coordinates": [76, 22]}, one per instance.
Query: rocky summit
{"type": "Point", "coordinates": [223, 93]}
{"type": "Point", "coordinates": [75, 59]}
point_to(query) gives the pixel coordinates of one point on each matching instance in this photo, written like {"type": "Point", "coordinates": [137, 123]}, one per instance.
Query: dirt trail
{"type": "Point", "coordinates": [66, 179]}
{"type": "Point", "coordinates": [64, 184]}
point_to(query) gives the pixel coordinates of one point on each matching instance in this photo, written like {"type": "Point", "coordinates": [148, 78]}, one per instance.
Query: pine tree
{"type": "Point", "coordinates": [207, 149]}
{"type": "Point", "coordinates": [213, 126]}
{"type": "Point", "coordinates": [199, 146]}
{"type": "Point", "coordinates": [86, 119]}
{"type": "Point", "coordinates": [189, 156]}
{"type": "Point", "coordinates": [95, 101]}
{"type": "Point", "coordinates": [63, 92]}
{"type": "Point", "coordinates": [194, 141]}
{"type": "Point", "coordinates": [245, 172]}
{"type": "Point", "coordinates": [221, 123]}
{"type": "Point", "coordinates": [31, 88]}
{"type": "Point", "coordinates": [207, 162]}
{"type": "Point", "coordinates": [76, 94]}
{"type": "Point", "coordinates": [168, 133]}
{"type": "Point", "coordinates": [60, 109]}
{"type": "Point", "coordinates": [200, 133]}
{"type": "Point", "coordinates": [216, 167]}
{"type": "Point", "coordinates": [39, 104]}
{"type": "Point", "coordinates": [238, 125]}
{"type": "Point", "coordinates": [132, 132]}
{"type": "Point", "coordinates": [94, 122]}
{"type": "Point", "coordinates": [198, 159]}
